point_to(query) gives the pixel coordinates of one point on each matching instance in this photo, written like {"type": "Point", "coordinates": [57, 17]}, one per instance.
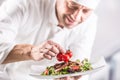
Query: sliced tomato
{"type": "Point", "coordinates": [46, 72]}
{"type": "Point", "coordinates": [75, 67]}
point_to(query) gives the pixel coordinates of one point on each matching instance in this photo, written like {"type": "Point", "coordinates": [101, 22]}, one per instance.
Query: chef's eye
{"type": "Point", "coordinates": [86, 10]}
{"type": "Point", "coordinates": [73, 5]}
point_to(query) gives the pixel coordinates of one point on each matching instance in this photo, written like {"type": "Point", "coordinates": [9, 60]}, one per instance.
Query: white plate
{"type": "Point", "coordinates": [37, 70]}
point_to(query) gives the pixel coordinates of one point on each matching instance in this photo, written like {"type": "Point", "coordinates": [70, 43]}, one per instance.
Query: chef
{"type": "Point", "coordinates": [33, 32]}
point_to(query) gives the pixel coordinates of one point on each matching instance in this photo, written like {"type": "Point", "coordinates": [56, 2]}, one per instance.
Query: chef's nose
{"type": "Point", "coordinates": [77, 14]}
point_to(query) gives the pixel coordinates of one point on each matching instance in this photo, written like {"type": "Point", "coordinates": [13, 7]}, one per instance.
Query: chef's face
{"type": "Point", "coordinates": [70, 13]}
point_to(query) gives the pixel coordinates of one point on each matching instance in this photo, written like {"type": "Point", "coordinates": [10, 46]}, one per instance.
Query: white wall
{"type": "Point", "coordinates": [108, 36]}
{"type": "Point", "coordinates": [1, 1]}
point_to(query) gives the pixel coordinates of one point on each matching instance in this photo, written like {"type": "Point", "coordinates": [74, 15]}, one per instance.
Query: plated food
{"type": "Point", "coordinates": [66, 66]}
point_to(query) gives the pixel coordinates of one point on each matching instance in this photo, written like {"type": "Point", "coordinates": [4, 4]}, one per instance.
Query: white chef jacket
{"type": "Point", "coordinates": [32, 22]}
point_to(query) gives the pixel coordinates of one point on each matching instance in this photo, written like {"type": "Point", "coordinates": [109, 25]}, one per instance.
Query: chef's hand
{"type": "Point", "coordinates": [47, 49]}
{"type": "Point", "coordinates": [69, 78]}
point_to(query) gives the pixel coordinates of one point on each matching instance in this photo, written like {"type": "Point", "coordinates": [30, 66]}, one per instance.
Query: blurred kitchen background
{"type": "Point", "coordinates": [107, 42]}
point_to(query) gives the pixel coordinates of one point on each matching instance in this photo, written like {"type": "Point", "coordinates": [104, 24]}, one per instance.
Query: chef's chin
{"type": "Point", "coordinates": [70, 26]}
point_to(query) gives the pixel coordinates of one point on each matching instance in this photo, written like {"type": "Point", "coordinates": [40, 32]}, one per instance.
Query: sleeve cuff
{"type": "Point", "coordinates": [5, 49]}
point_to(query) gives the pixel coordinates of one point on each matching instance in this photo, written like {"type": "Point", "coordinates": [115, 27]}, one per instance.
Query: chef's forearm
{"type": "Point", "coordinates": [20, 52]}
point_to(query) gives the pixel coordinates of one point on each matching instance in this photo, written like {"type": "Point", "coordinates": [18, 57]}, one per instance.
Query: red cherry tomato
{"type": "Point", "coordinates": [65, 58]}
{"type": "Point", "coordinates": [69, 53]}
{"type": "Point", "coordinates": [60, 57]}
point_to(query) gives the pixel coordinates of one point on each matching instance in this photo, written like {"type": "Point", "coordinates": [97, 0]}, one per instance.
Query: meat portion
{"type": "Point", "coordinates": [72, 65]}
{"type": "Point", "coordinates": [60, 66]}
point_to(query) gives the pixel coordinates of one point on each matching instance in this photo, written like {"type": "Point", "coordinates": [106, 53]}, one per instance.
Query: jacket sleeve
{"type": "Point", "coordinates": [83, 42]}
{"type": "Point", "coordinates": [10, 17]}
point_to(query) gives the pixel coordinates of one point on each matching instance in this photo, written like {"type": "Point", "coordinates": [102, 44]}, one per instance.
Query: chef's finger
{"type": "Point", "coordinates": [60, 48]}
{"type": "Point", "coordinates": [47, 45]}
{"type": "Point", "coordinates": [52, 54]}
{"type": "Point", "coordinates": [47, 56]}
{"type": "Point", "coordinates": [54, 49]}
{"type": "Point", "coordinates": [43, 50]}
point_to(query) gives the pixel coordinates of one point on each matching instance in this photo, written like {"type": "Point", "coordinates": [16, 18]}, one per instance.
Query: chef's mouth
{"type": "Point", "coordinates": [69, 20]}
